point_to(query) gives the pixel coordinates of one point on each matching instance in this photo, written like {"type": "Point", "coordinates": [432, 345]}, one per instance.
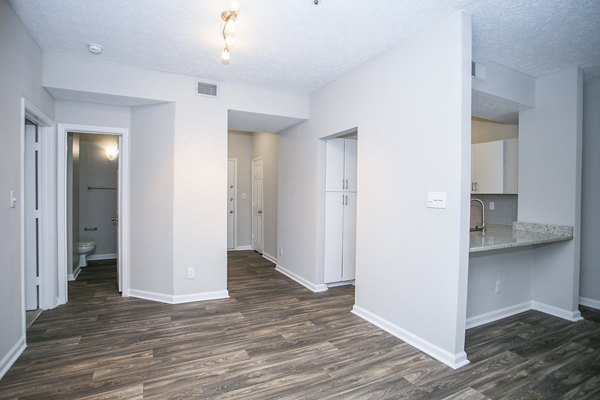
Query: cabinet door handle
{"type": "Point", "coordinates": [346, 183]}
{"type": "Point", "coordinates": [476, 186]}
{"type": "Point", "coordinates": [346, 200]}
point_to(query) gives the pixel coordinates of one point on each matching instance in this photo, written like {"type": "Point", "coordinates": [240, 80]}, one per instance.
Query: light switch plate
{"type": "Point", "coordinates": [436, 199]}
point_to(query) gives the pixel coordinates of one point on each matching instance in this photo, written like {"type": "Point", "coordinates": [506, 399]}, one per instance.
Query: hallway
{"type": "Point", "coordinates": [275, 339]}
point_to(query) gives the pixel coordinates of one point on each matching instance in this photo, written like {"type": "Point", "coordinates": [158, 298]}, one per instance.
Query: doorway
{"type": "Point", "coordinates": [231, 202]}
{"type": "Point", "coordinates": [257, 205]}
{"type": "Point", "coordinates": [92, 202]}
{"type": "Point", "coordinates": [100, 192]}
{"type": "Point", "coordinates": [31, 211]}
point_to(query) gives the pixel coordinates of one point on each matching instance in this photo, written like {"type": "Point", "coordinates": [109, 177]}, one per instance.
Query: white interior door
{"type": "Point", "coordinates": [257, 205]}
{"type": "Point", "coordinates": [31, 211]}
{"type": "Point", "coordinates": [334, 165]}
{"type": "Point", "coordinates": [350, 169]}
{"type": "Point", "coordinates": [349, 241]}
{"type": "Point", "coordinates": [231, 193]}
{"type": "Point", "coordinates": [334, 232]}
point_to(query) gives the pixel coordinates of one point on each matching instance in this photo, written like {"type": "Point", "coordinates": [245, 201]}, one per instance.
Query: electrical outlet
{"type": "Point", "coordinates": [492, 205]}
{"type": "Point", "coordinates": [281, 251]}
{"type": "Point", "coordinates": [191, 273]}
{"type": "Point", "coordinates": [498, 288]}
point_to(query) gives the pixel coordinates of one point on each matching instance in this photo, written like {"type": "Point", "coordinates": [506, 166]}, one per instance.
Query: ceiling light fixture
{"type": "Point", "coordinates": [229, 18]}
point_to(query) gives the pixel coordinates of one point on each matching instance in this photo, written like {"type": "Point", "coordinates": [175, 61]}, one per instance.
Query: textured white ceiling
{"type": "Point", "coordinates": [297, 46]}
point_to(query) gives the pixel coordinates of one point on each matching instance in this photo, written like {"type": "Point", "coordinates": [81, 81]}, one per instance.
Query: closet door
{"type": "Point", "coordinates": [334, 232]}
{"type": "Point", "coordinates": [350, 172]}
{"type": "Point", "coordinates": [349, 237]}
{"type": "Point", "coordinates": [334, 165]}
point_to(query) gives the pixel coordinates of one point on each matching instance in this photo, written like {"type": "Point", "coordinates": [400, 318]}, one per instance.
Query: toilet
{"type": "Point", "coordinates": [85, 249]}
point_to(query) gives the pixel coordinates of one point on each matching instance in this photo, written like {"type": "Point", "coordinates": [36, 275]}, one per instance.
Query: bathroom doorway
{"type": "Point", "coordinates": [93, 198]}
{"type": "Point", "coordinates": [92, 202]}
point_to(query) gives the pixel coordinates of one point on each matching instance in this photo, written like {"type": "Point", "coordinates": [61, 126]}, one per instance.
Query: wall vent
{"type": "Point", "coordinates": [206, 89]}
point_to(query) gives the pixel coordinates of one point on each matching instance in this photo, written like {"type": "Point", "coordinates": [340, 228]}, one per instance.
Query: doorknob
{"type": "Point", "coordinates": [114, 219]}
{"type": "Point", "coordinates": [260, 211]}
{"type": "Point", "coordinates": [231, 212]}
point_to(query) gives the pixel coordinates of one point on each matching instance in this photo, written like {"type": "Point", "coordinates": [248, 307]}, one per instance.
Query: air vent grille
{"type": "Point", "coordinates": [207, 89]}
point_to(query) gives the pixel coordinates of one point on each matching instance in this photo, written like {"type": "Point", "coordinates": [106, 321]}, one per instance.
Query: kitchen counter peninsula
{"type": "Point", "coordinates": [498, 237]}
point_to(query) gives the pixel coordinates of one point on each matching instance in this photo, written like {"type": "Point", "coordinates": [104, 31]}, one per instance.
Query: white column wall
{"type": "Point", "coordinates": [590, 215]}
{"type": "Point", "coordinates": [401, 284]}
{"type": "Point", "coordinates": [550, 138]}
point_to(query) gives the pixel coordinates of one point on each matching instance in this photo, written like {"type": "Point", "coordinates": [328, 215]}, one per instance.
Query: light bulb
{"type": "Point", "coordinates": [225, 57]}
{"type": "Point", "coordinates": [234, 5]}
{"type": "Point", "coordinates": [230, 26]}
{"type": "Point", "coordinates": [229, 41]}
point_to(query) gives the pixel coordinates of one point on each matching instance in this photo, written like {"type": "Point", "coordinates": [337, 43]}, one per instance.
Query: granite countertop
{"type": "Point", "coordinates": [520, 234]}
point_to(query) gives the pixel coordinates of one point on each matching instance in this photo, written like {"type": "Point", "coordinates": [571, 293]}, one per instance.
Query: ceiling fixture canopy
{"type": "Point", "coordinates": [229, 18]}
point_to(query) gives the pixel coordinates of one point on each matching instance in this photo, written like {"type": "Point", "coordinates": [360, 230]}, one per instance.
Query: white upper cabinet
{"type": "Point", "coordinates": [340, 161]}
{"type": "Point", "coordinates": [494, 167]}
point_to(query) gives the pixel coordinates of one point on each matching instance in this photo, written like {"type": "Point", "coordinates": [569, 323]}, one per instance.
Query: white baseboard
{"type": "Point", "coordinates": [190, 298]}
{"type": "Point", "coordinates": [495, 315]}
{"type": "Point", "coordinates": [341, 283]}
{"type": "Point", "coordinates": [586, 301]}
{"type": "Point", "coordinates": [240, 248]}
{"type": "Point", "coordinates": [74, 275]}
{"type": "Point", "coordinates": [13, 354]}
{"type": "Point", "coordinates": [557, 312]}
{"type": "Point", "coordinates": [270, 258]}
{"type": "Point", "coordinates": [309, 285]}
{"type": "Point", "coordinates": [95, 257]}
{"type": "Point", "coordinates": [178, 299]}
{"type": "Point", "coordinates": [452, 360]}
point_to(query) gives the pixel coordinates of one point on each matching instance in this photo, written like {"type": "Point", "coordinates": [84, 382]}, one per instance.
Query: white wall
{"type": "Point", "coordinates": [98, 206]}
{"type": "Point", "coordinates": [264, 144]}
{"type": "Point", "coordinates": [486, 131]}
{"type": "Point", "coordinates": [590, 216]}
{"type": "Point", "coordinates": [239, 146]}
{"type": "Point", "coordinates": [151, 198]}
{"type": "Point", "coordinates": [199, 162]}
{"type": "Point", "coordinates": [416, 293]}
{"type": "Point", "coordinates": [550, 183]}
{"type": "Point", "coordinates": [20, 76]}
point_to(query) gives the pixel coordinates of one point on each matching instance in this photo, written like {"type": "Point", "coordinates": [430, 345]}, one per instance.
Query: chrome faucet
{"type": "Point", "coordinates": [481, 227]}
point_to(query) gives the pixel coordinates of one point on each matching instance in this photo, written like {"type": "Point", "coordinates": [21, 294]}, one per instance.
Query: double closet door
{"type": "Point", "coordinates": [340, 210]}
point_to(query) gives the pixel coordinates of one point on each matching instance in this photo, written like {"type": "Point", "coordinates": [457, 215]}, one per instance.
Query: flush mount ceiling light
{"type": "Point", "coordinates": [229, 18]}
{"type": "Point", "coordinates": [95, 48]}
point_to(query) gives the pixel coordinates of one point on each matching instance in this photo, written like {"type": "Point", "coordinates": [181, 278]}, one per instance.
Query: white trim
{"type": "Point", "coordinates": [123, 206]}
{"type": "Point", "coordinates": [315, 287]}
{"type": "Point", "coordinates": [13, 354]}
{"type": "Point", "coordinates": [270, 258]}
{"type": "Point", "coordinates": [109, 256]}
{"type": "Point", "coordinates": [190, 298]}
{"type": "Point", "coordinates": [586, 301]}
{"type": "Point", "coordinates": [495, 315]}
{"type": "Point", "coordinates": [178, 299]}
{"type": "Point", "coordinates": [73, 276]}
{"type": "Point", "coordinates": [452, 360]}
{"type": "Point", "coordinates": [241, 248]}
{"type": "Point", "coordinates": [341, 283]}
{"type": "Point", "coordinates": [557, 312]}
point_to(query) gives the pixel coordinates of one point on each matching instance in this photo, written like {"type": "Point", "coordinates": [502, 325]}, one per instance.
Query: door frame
{"type": "Point", "coordinates": [235, 200]}
{"type": "Point", "coordinates": [123, 235]}
{"type": "Point", "coordinates": [262, 251]}
{"type": "Point", "coordinates": [47, 207]}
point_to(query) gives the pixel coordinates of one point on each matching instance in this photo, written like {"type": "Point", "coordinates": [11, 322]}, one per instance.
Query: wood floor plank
{"type": "Point", "coordinates": [275, 339]}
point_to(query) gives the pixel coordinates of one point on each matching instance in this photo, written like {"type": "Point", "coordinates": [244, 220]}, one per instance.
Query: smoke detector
{"type": "Point", "coordinates": [95, 48]}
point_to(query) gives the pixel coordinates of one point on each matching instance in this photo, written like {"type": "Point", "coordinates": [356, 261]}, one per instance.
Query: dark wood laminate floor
{"type": "Point", "coordinates": [275, 339]}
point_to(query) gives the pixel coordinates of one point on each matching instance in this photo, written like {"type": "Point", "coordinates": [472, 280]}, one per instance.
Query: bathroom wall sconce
{"type": "Point", "coordinates": [229, 18]}
{"type": "Point", "coordinates": [112, 152]}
